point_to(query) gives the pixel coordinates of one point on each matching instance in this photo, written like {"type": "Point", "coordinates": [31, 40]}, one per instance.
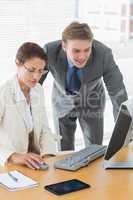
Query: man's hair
{"type": "Point", "coordinates": [30, 50]}
{"type": "Point", "coordinates": [77, 30]}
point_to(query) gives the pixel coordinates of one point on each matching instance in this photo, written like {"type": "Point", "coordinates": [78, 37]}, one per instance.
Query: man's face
{"type": "Point", "coordinates": [78, 51]}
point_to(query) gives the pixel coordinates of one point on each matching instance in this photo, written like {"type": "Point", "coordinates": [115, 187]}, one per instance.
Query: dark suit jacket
{"type": "Point", "coordinates": [100, 67]}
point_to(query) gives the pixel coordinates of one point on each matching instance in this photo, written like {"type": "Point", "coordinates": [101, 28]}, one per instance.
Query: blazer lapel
{"type": "Point", "coordinates": [21, 107]}
{"type": "Point", "coordinates": [21, 104]}
{"type": "Point", "coordinates": [62, 67]}
{"type": "Point", "coordinates": [88, 70]}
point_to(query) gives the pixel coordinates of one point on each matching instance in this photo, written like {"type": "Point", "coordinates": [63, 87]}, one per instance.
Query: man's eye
{"type": "Point", "coordinates": [87, 50]}
{"type": "Point", "coordinates": [76, 51]}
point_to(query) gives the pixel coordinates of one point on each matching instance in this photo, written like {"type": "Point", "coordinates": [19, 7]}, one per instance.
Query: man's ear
{"type": "Point", "coordinates": [63, 45]}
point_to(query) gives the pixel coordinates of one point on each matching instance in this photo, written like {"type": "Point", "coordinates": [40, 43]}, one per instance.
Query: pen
{"type": "Point", "coordinates": [13, 177]}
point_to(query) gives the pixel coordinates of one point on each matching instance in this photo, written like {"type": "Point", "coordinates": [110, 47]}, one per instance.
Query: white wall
{"type": "Point", "coordinates": [30, 20]}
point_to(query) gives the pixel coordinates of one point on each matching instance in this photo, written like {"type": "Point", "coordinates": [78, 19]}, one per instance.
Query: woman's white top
{"type": "Point", "coordinates": [20, 97]}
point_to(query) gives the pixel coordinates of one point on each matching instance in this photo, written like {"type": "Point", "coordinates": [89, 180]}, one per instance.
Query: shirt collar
{"type": "Point", "coordinates": [70, 64]}
{"type": "Point", "coordinates": [19, 94]}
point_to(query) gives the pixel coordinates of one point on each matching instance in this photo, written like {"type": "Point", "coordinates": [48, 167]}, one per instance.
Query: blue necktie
{"type": "Point", "coordinates": [73, 81]}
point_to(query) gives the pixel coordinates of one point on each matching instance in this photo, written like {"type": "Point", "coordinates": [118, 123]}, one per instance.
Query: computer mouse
{"type": "Point", "coordinates": [43, 166]}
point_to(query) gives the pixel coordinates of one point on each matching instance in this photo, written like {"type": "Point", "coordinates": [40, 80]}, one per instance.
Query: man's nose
{"type": "Point", "coordinates": [82, 56]}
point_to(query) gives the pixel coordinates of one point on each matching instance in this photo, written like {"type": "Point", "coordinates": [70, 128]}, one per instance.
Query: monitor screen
{"type": "Point", "coordinates": [122, 133]}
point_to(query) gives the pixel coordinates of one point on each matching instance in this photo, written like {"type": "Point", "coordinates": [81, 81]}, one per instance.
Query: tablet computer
{"type": "Point", "coordinates": [66, 186]}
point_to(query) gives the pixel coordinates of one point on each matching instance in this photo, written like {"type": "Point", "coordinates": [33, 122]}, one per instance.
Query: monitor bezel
{"type": "Point", "coordinates": [126, 139]}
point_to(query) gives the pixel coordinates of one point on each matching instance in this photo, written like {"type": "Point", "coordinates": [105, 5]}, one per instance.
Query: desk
{"type": "Point", "coordinates": [105, 184]}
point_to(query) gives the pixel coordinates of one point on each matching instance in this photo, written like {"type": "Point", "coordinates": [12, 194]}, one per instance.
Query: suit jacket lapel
{"type": "Point", "coordinates": [20, 105]}
{"type": "Point", "coordinates": [62, 67]}
{"type": "Point", "coordinates": [88, 70]}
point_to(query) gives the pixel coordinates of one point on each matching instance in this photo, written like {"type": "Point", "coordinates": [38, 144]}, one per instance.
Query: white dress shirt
{"type": "Point", "coordinates": [20, 97]}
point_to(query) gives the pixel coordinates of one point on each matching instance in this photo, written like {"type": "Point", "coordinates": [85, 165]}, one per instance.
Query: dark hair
{"type": "Point", "coordinates": [30, 50]}
{"type": "Point", "coordinates": [77, 30]}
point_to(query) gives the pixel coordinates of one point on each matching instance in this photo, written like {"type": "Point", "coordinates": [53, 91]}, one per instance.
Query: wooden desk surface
{"type": "Point", "coordinates": [105, 184]}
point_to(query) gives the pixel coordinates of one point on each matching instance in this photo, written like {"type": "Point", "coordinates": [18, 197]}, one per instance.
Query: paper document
{"type": "Point", "coordinates": [15, 180]}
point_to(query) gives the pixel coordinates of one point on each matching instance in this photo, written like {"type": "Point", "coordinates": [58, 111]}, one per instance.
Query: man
{"type": "Point", "coordinates": [79, 65]}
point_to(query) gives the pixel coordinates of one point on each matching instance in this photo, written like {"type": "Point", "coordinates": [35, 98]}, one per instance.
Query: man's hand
{"type": "Point", "coordinates": [31, 160]}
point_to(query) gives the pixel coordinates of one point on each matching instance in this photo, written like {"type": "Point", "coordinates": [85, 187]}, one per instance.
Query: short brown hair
{"type": "Point", "coordinates": [30, 50]}
{"type": "Point", "coordinates": [77, 30]}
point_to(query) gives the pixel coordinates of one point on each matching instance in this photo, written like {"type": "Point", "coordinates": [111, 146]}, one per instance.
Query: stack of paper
{"type": "Point", "coordinates": [15, 180]}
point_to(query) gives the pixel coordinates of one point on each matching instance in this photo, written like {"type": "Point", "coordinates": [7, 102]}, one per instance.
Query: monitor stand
{"type": "Point", "coordinates": [118, 165]}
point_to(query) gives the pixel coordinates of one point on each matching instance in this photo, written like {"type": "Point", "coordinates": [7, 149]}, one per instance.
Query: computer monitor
{"type": "Point", "coordinates": [123, 132]}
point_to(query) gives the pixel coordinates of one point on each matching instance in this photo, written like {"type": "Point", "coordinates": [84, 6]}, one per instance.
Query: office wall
{"type": "Point", "coordinates": [30, 20]}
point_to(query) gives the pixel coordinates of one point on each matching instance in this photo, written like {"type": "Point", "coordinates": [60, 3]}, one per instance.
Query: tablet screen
{"type": "Point", "coordinates": [67, 186]}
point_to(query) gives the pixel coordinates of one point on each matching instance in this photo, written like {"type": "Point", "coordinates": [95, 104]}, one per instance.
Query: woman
{"type": "Point", "coordinates": [24, 132]}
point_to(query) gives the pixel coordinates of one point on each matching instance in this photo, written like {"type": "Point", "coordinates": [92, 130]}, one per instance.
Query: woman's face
{"type": "Point", "coordinates": [31, 71]}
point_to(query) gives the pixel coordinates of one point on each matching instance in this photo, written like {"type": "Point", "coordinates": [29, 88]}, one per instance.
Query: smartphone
{"type": "Point", "coordinates": [66, 186]}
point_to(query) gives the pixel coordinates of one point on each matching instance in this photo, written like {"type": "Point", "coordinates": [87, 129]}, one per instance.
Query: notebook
{"type": "Point", "coordinates": [15, 180]}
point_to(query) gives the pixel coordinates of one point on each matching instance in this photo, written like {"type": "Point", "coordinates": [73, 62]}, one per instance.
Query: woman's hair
{"type": "Point", "coordinates": [30, 50]}
{"type": "Point", "coordinates": [76, 30]}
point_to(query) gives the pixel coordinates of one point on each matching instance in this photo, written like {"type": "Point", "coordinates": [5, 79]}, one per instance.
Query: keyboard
{"type": "Point", "coordinates": [81, 158]}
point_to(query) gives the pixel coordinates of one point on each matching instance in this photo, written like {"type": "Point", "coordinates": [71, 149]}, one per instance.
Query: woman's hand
{"type": "Point", "coordinates": [31, 160]}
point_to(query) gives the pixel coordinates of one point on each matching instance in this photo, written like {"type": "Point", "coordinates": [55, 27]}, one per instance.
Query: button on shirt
{"type": "Point", "coordinates": [20, 97]}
